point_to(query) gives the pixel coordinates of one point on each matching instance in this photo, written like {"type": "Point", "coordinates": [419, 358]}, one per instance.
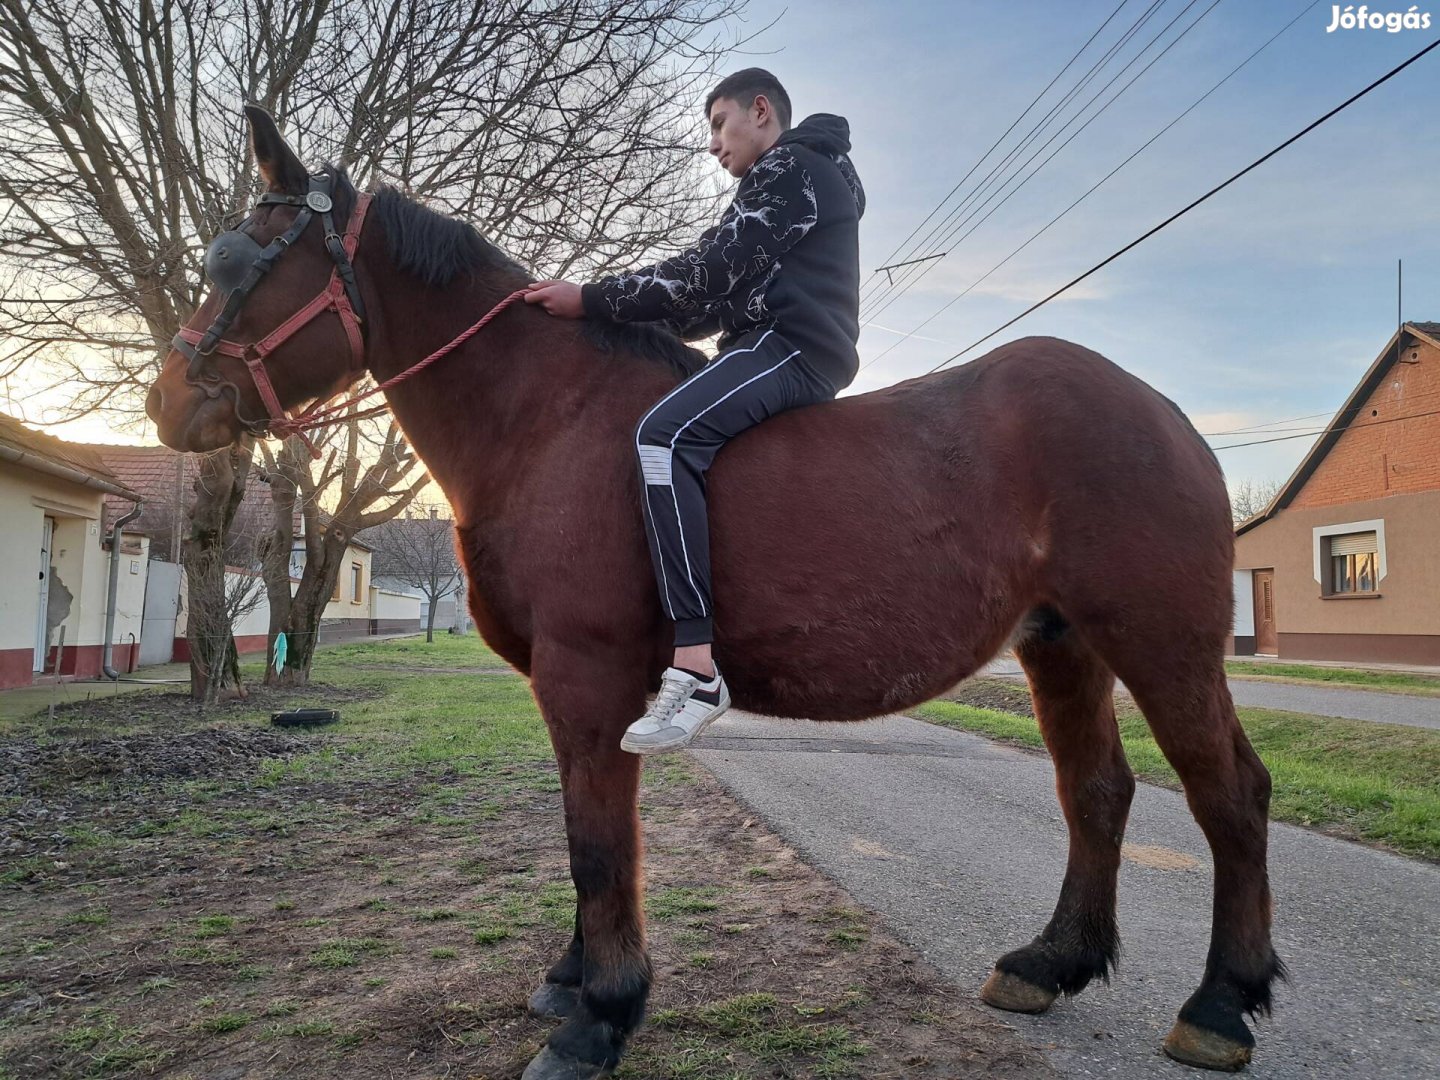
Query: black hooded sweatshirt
{"type": "Point", "coordinates": [798, 207]}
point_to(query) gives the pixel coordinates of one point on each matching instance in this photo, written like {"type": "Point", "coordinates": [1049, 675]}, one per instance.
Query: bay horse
{"type": "Point", "coordinates": [871, 552]}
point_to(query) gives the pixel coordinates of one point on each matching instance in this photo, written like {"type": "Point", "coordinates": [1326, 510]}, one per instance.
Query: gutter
{"type": "Point", "coordinates": [65, 472]}
{"type": "Point", "coordinates": [113, 589]}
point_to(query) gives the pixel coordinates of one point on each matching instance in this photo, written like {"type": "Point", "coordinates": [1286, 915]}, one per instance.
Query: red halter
{"type": "Point", "coordinates": [334, 297]}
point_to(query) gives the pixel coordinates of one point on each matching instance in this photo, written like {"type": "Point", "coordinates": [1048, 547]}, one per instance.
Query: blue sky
{"type": "Point", "coordinates": [1266, 302]}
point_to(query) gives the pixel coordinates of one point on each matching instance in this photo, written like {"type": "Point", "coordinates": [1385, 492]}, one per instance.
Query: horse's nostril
{"type": "Point", "coordinates": [154, 403]}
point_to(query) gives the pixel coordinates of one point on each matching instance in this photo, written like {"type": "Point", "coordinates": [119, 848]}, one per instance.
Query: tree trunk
{"type": "Point", "coordinates": [307, 610]}
{"type": "Point", "coordinates": [275, 565]}
{"type": "Point", "coordinates": [218, 491]}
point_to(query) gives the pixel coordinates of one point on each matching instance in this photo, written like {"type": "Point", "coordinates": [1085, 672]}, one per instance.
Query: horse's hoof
{"type": "Point", "coordinates": [1191, 1045]}
{"type": "Point", "coordinates": [548, 1065]}
{"type": "Point", "coordinates": [551, 1001]}
{"type": "Point", "coordinates": [1014, 994]}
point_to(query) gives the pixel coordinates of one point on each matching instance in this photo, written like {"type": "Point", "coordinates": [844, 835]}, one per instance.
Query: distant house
{"type": "Point", "coordinates": [55, 560]}
{"type": "Point", "coordinates": [407, 551]}
{"type": "Point", "coordinates": [1344, 564]}
{"type": "Point", "coordinates": [165, 478]}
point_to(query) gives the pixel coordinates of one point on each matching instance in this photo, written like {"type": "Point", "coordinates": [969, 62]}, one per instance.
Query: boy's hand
{"type": "Point", "coordinates": [559, 298]}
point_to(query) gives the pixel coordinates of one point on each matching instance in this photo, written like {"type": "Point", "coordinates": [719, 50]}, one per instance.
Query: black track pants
{"type": "Point", "coordinates": [760, 375]}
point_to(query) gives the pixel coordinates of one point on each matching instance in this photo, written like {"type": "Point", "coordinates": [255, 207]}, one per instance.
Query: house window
{"type": "Point", "coordinates": [1354, 563]}
{"type": "Point", "coordinates": [356, 572]}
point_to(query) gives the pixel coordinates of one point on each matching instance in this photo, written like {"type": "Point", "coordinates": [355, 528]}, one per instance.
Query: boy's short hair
{"type": "Point", "coordinates": [742, 87]}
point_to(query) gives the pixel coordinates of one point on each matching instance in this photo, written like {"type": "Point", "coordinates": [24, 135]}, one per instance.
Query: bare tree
{"type": "Point", "coordinates": [213, 604]}
{"type": "Point", "coordinates": [1249, 497]}
{"type": "Point", "coordinates": [566, 130]}
{"type": "Point", "coordinates": [419, 551]}
{"type": "Point", "coordinates": [365, 491]}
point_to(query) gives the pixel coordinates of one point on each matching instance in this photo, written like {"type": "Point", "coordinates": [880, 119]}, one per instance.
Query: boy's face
{"type": "Point", "coordinates": [739, 136]}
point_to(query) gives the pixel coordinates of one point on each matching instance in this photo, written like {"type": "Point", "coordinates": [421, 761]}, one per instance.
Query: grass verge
{"type": "Point", "coordinates": [1351, 778]}
{"type": "Point", "coordinates": [1395, 682]}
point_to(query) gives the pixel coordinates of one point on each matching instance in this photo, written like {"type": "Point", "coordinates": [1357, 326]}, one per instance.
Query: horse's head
{"type": "Point", "coordinates": [282, 322]}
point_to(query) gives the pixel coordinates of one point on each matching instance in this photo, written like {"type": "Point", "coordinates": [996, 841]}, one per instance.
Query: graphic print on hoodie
{"type": "Point", "coordinates": [785, 255]}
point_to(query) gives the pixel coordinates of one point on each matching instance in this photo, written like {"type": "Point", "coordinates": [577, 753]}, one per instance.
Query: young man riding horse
{"type": "Point", "coordinates": [787, 338]}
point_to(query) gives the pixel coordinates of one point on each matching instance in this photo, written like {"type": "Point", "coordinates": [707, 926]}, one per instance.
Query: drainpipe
{"type": "Point", "coordinates": [114, 589]}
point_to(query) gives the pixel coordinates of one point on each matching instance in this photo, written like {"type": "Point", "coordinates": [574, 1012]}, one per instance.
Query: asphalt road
{"type": "Point", "coordinates": [1316, 698]}
{"type": "Point", "coordinates": [1334, 701]}
{"type": "Point", "coordinates": [959, 844]}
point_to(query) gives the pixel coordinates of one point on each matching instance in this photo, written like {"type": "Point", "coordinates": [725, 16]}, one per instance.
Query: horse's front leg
{"type": "Point", "coordinates": [587, 705]}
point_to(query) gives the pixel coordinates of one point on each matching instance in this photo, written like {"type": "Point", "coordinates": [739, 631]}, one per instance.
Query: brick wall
{"type": "Point", "coordinates": [1371, 462]}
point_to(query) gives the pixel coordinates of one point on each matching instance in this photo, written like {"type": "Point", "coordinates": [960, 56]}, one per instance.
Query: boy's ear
{"type": "Point", "coordinates": [278, 165]}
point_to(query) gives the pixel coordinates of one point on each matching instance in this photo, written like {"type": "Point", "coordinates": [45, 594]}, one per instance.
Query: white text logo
{"type": "Point", "coordinates": [1363, 18]}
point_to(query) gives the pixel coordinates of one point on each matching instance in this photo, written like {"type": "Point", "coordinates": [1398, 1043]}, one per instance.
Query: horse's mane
{"type": "Point", "coordinates": [437, 248]}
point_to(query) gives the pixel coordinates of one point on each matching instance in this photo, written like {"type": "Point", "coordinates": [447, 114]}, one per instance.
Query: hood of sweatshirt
{"type": "Point", "coordinates": [828, 134]}
{"type": "Point", "coordinates": [823, 132]}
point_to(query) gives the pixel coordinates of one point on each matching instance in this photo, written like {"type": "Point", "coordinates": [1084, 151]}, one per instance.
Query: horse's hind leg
{"type": "Point", "coordinates": [1071, 688]}
{"type": "Point", "coordinates": [1186, 702]}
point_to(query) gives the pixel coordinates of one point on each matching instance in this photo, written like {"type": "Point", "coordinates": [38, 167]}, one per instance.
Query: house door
{"type": "Point", "coordinates": [42, 616]}
{"type": "Point", "coordinates": [1266, 641]}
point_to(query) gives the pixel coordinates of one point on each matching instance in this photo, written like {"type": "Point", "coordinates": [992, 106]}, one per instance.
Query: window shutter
{"type": "Point", "coordinates": [1353, 544]}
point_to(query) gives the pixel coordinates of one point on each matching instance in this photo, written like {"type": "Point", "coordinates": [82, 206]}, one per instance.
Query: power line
{"type": "Point", "coordinates": [1324, 430]}
{"type": "Point", "coordinates": [1001, 174]}
{"type": "Point", "coordinates": [1104, 179]}
{"type": "Point", "coordinates": [1002, 168]}
{"type": "Point", "coordinates": [1007, 131]}
{"type": "Point", "coordinates": [949, 236]}
{"type": "Point", "coordinates": [1184, 210]}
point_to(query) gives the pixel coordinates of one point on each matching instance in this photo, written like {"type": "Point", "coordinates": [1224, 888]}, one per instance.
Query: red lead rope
{"type": "Point", "coordinates": [322, 415]}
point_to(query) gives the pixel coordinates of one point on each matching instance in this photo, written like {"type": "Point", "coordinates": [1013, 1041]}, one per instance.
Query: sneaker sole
{"type": "Point", "coordinates": [681, 743]}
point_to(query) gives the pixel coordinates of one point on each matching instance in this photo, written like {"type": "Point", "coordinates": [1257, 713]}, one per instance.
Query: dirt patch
{"type": "Point", "coordinates": [1155, 857]}
{"type": "Point", "coordinates": [174, 710]}
{"type": "Point", "coordinates": [1008, 695]}
{"type": "Point", "coordinates": [201, 910]}
{"type": "Point", "coordinates": [1001, 695]}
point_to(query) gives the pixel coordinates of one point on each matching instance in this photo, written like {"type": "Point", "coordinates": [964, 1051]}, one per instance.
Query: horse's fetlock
{"type": "Point", "coordinates": [586, 1039]}
{"type": "Point", "coordinates": [619, 999]}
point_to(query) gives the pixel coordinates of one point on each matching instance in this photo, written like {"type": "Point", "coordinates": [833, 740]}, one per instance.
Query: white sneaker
{"type": "Point", "coordinates": [682, 709]}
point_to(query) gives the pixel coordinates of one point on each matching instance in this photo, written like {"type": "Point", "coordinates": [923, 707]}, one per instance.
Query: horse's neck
{"type": "Point", "coordinates": [478, 416]}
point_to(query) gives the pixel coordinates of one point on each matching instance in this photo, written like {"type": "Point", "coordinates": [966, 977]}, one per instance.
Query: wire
{"type": "Point", "coordinates": [1001, 167]}
{"type": "Point", "coordinates": [1007, 131]}
{"type": "Point", "coordinates": [947, 238]}
{"type": "Point", "coordinates": [1322, 431]}
{"type": "Point", "coordinates": [1104, 179]}
{"type": "Point", "coordinates": [1270, 428]}
{"type": "Point", "coordinates": [1184, 210]}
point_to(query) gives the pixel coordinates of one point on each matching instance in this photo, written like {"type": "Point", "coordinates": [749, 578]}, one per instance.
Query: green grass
{"type": "Point", "coordinates": [1379, 782]}
{"type": "Point", "coordinates": [1399, 681]}
{"type": "Point", "coordinates": [225, 1022]}
{"type": "Point", "coordinates": [208, 926]}
{"type": "Point", "coordinates": [761, 1027]}
{"type": "Point", "coordinates": [672, 903]}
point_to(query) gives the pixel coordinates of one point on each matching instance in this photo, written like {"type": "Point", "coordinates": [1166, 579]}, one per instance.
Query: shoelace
{"type": "Point", "coordinates": [668, 701]}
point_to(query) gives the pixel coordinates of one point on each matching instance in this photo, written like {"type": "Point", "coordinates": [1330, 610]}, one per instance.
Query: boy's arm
{"type": "Point", "coordinates": [773, 208]}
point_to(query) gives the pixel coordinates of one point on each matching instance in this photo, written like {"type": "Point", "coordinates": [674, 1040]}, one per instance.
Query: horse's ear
{"type": "Point", "coordinates": [277, 162]}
